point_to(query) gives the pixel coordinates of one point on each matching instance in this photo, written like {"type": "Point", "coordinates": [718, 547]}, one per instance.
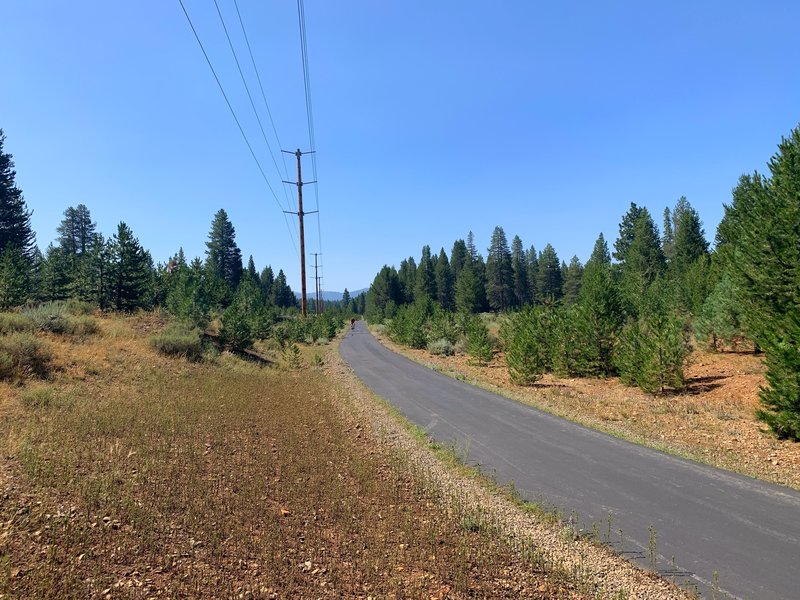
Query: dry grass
{"type": "Point", "coordinates": [130, 474]}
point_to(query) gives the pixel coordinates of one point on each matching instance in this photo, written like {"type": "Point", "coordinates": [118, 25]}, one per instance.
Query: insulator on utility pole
{"type": "Point", "coordinates": [300, 213]}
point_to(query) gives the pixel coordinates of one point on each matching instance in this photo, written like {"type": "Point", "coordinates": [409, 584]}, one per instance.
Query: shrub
{"type": "Point", "coordinates": [441, 347]}
{"type": "Point", "coordinates": [408, 326]}
{"type": "Point", "coordinates": [236, 332]}
{"type": "Point", "coordinates": [78, 308]}
{"type": "Point", "coordinates": [48, 316]}
{"type": "Point", "coordinates": [13, 322]}
{"type": "Point", "coordinates": [179, 339]}
{"type": "Point", "coordinates": [652, 352]}
{"type": "Point", "coordinates": [81, 326]}
{"type": "Point", "coordinates": [527, 338]}
{"type": "Point", "coordinates": [22, 355]}
{"type": "Point", "coordinates": [443, 325]}
{"type": "Point", "coordinates": [479, 347]}
{"type": "Point", "coordinates": [38, 397]}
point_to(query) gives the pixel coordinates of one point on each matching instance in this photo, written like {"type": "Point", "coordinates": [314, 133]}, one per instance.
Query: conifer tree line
{"type": "Point", "coordinates": [117, 273]}
{"type": "Point", "coordinates": [634, 309]}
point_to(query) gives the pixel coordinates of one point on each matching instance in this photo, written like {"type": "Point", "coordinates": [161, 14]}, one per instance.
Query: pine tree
{"type": "Point", "coordinates": [15, 274]}
{"type": "Point", "coordinates": [251, 269]}
{"type": "Point", "coordinates": [573, 279]}
{"type": "Point", "coordinates": [472, 251]}
{"type": "Point", "coordinates": [54, 278]}
{"type": "Point", "coordinates": [668, 237]}
{"type": "Point", "coordinates": [519, 268]}
{"type": "Point", "coordinates": [282, 295]}
{"type": "Point", "coordinates": [384, 295]}
{"type": "Point", "coordinates": [642, 262]}
{"type": "Point", "coordinates": [761, 230]}
{"type": "Point", "coordinates": [720, 323]}
{"type": "Point", "coordinates": [458, 258]}
{"type": "Point", "coordinates": [425, 286]}
{"type": "Point", "coordinates": [533, 275]}
{"type": "Point", "coordinates": [346, 299]}
{"type": "Point", "coordinates": [76, 231]}
{"type": "Point", "coordinates": [130, 271]}
{"type": "Point", "coordinates": [499, 276]}
{"type": "Point", "coordinates": [602, 310]}
{"type": "Point", "coordinates": [267, 278]}
{"type": "Point", "coordinates": [689, 240]}
{"type": "Point", "coordinates": [550, 283]}
{"type": "Point", "coordinates": [15, 219]}
{"type": "Point", "coordinates": [223, 256]}
{"type": "Point", "coordinates": [444, 282]}
{"type": "Point", "coordinates": [408, 278]}
{"type": "Point", "coordinates": [468, 291]}
{"type": "Point", "coordinates": [627, 232]}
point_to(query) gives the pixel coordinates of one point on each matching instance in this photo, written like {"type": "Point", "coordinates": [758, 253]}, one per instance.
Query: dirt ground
{"type": "Point", "coordinates": [712, 420]}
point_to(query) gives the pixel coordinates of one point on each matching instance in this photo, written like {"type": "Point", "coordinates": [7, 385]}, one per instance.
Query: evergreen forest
{"type": "Point", "coordinates": [636, 308]}
{"type": "Point", "coordinates": [86, 269]}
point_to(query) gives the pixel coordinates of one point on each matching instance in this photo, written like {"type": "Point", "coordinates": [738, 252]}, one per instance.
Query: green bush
{"type": "Point", "coordinates": [236, 332]}
{"type": "Point", "coordinates": [441, 347]}
{"type": "Point", "coordinates": [652, 352]}
{"type": "Point", "coordinates": [23, 355]}
{"type": "Point", "coordinates": [443, 325]}
{"type": "Point", "coordinates": [527, 337]}
{"type": "Point", "coordinates": [179, 339]}
{"type": "Point", "coordinates": [479, 347]}
{"type": "Point", "coordinates": [81, 326]}
{"type": "Point", "coordinates": [79, 308]}
{"type": "Point", "coordinates": [14, 322]}
{"type": "Point", "coordinates": [408, 325]}
{"type": "Point", "coordinates": [48, 316]}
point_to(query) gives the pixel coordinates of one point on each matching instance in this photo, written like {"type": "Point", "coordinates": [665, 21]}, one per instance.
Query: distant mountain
{"type": "Point", "coordinates": [333, 296]}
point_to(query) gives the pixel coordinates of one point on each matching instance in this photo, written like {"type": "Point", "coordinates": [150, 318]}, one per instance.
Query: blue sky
{"type": "Point", "coordinates": [431, 119]}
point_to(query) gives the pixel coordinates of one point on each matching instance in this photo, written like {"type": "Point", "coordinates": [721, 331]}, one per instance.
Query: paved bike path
{"type": "Point", "coordinates": [708, 519]}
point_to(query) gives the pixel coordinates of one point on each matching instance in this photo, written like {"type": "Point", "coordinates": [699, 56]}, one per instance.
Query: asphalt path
{"type": "Point", "coordinates": [710, 520]}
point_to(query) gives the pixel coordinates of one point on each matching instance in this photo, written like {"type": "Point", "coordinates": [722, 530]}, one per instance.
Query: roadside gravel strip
{"type": "Point", "coordinates": [596, 569]}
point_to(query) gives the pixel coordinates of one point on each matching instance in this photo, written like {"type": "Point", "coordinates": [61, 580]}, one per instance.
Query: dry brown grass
{"type": "Point", "coordinates": [129, 474]}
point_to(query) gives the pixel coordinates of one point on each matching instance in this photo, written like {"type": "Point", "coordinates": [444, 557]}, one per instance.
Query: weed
{"type": "Point", "coordinates": [441, 347]}
{"type": "Point", "coordinates": [48, 316]}
{"type": "Point", "coordinates": [40, 397]}
{"type": "Point", "coordinates": [651, 546]}
{"type": "Point", "coordinates": [23, 355]}
{"type": "Point", "coordinates": [179, 339]}
{"type": "Point", "coordinates": [14, 323]}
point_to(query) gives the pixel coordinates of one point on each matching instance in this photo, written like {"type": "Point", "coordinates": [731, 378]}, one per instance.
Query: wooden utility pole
{"type": "Point", "coordinates": [299, 183]}
{"type": "Point", "coordinates": [318, 286]}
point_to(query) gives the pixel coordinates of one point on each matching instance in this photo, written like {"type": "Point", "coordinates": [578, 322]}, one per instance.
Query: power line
{"type": "Point", "coordinates": [235, 118]}
{"type": "Point", "coordinates": [249, 96]}
{"type": "Point", "coordinates": [261, 87]}
{"type": "Point", "coordinates": [301, 15]}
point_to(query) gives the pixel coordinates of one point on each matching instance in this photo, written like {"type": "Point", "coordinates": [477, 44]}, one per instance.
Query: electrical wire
{"type": "Point", "coordinates": [238, 124]}
{"type": "Point", "coordinates": [301, 16]}
{"type": "Point", "coordinates": [250, 97]}
{"type": "Point", "coordinates": [261, 87]}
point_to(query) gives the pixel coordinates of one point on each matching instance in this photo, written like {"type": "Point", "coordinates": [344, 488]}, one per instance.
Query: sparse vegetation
{"type": "Point", "coordinates": [22, 355]}
{"type": "Point", "coordinates": [179, 339]}
{"type": "Point", "coordinates": [203, 480]}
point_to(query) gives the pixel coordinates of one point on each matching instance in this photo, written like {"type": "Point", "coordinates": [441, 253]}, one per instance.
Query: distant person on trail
{"type": "Point", "coordinates": [353, 323]}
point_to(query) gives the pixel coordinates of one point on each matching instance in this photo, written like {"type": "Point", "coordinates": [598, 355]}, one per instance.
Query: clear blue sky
{"type": "Point", "coordinates": [431, 119]}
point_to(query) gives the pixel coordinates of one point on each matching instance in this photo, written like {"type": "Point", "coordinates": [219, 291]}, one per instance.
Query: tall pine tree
{"type": "Point", "coordinates": [223, 256]}
{"type": "Point", "coordinates": [499, 276]}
